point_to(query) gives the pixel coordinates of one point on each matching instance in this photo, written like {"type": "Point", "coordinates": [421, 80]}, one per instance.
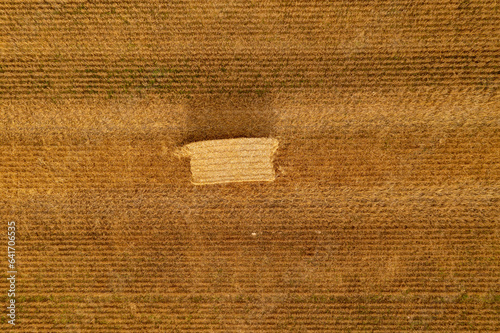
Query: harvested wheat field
{"type": "Point", "coordinates": [384, 211]}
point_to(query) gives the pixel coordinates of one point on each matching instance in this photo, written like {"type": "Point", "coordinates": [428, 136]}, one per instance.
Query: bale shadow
{"type": "Point", "coordinates": [229, 115]}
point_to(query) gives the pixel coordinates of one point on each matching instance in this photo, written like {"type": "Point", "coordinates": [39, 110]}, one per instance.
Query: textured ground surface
{"type": "Point", "coordinates": [384, 216]}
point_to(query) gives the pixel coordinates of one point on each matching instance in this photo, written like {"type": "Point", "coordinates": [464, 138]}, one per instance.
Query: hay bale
{"type": "Point", "coordinates": [231, 160]}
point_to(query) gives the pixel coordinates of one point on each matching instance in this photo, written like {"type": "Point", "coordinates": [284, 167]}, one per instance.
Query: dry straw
{"type": "Point", "coordinates": [231, 160]}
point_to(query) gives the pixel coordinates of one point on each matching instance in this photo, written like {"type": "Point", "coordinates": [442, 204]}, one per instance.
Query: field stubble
{"type": "Point", "coordinates": [385, 211]}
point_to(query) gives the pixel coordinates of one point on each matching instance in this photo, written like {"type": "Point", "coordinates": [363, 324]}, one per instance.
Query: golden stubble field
{"type": "Point", "coordinates": [385, 212]}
